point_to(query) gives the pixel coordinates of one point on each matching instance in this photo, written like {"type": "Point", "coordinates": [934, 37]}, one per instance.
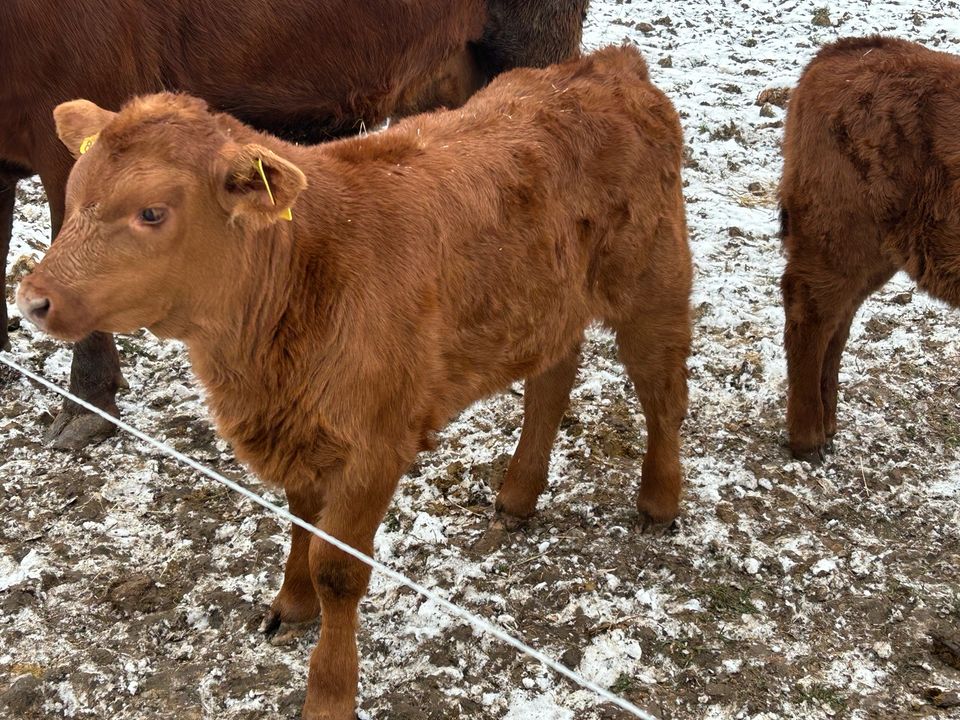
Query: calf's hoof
{"type": "Point", "coordinates": [319, 715]}
{"type": "Point", "coordinates": [294, 616]}
{"type": "Point", "coordinates": [516, 505]}
{"type": "Point", "coordinates": [75, 429]}
{"type": "Point", "coordinates": [813, 455]}
{"type": "Point", "coordinates": [658, 502]}
{"type": "Point", "coordinates": [655, 525]}
{"type": "Point", "coordinates": [508, 521]}
{"type": "Point", "coordinates": [279, 633]}
{"type": "Point", "coordinates": [809, 446]}
{"type": "Point", "coordinates": [497, 533]}
{"type": "Point", "coordinates": [271, 623]}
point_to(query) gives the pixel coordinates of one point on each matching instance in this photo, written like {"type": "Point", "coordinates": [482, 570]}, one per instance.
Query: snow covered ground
{"type": "Point", "coordinates": [130, 588]}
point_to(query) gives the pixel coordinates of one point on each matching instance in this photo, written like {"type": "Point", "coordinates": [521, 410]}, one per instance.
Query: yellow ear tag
{"type": "Point", "coordinates": [88, 142]}
{"type": "Point", "coordinates": [286, 214]}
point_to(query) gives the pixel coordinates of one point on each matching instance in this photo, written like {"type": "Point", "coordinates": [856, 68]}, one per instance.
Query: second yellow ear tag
{"type": "Point", "coordinates": [88, 142]}
{"type": "Point", "coordinates": [286, 214]}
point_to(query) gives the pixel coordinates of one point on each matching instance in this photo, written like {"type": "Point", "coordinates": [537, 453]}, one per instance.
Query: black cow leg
{"type": "Point", "coordinates": [8, 194]}
{"type": "Point", "coordinates": [95, 377]}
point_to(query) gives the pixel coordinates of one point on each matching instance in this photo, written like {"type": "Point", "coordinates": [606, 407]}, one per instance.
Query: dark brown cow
{"type": "Point", "coordinates": [305, 70]}
{"type": "Point", "coordinates": [425, 267]}
{"type": "Point", "coordinates": [871, 185]}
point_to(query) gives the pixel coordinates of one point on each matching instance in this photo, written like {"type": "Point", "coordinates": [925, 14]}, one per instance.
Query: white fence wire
{"type": "Point", "coordinates": [465, 615]}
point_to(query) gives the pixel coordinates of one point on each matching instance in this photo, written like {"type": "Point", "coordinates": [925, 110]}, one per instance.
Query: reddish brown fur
{"type": "Point", "coordinates": [871, 185]}
{"type": "Point", "coordinates": [301, 70]}
{"type": "Point", "coordinates": [426, 267]}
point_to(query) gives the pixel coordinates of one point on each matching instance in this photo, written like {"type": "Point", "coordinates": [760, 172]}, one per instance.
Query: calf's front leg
{"type": "Point", "coordinates": [810, 323]}
{"type": "Point", "coordinates": [545, 397]}
{"type": "Point", "coordinates": [340, 582]}
{"type": "Point", "coordinates": [654, 351]}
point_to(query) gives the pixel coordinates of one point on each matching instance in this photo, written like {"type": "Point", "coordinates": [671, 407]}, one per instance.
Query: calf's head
{"type": "Point", "coordinates": [163, 207]}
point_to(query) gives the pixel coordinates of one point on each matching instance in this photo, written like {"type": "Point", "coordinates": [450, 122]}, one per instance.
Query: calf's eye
{"type": "Point", "coordinates": [152, 215]}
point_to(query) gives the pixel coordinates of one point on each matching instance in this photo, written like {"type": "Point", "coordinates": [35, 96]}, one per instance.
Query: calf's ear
{"type": "Point", "coordinates": [78, 124]}
{"type": "Point", "coordinates": [258, 185]}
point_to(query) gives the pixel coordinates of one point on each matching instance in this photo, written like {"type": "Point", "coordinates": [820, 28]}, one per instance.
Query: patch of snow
{"type": "Point", "coordinates": [539, 707]}
{"type": "Point", "coordinates": [732, 665]}
{"type": "Point", "coordinates": [824, 566]}
{"type": "Point", "coordinates": [608, 657]}
{"type": "Point", "coordinates": [428, 529]}
{"type": "Point", "coordinates": [13, 573]}
{"type": "Point", "coordinates": [68, 698]}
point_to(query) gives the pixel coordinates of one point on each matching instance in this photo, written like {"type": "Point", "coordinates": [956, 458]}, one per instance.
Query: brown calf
{"type": "Point", "coordinates": [305, 71]}
{"type": "Point", "coordinates": [425, 267]}
{"type": "Point", "coordinates": [871, 185]}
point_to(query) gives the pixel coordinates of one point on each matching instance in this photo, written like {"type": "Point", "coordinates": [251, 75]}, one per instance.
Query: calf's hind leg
{"type": "Point", "coordinates": [297, 600]}
{"type": "Point", "coordinates": [654, 346]}
{"type": "Point", "coordinates": [545, 397]}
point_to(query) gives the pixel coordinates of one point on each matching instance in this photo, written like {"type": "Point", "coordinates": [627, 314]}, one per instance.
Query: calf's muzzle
{"type": "Point", "coordinates": [44, 306]}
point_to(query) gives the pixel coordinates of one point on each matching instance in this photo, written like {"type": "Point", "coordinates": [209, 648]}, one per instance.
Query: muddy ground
{"type": "Point", "coordinates": [130, 588]}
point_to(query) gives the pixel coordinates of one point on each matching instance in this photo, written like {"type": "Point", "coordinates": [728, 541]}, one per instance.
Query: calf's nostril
{"type": "Point", "coordinates": [39, 307]}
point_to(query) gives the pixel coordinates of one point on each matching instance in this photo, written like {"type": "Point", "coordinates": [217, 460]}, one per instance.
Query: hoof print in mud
{"type": "Point", "coordinates": [498, 533]}
{"type": "Point", "coordinates": [139, 594]}
{"type": "Point", "coordinates": [23, 699]}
